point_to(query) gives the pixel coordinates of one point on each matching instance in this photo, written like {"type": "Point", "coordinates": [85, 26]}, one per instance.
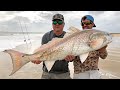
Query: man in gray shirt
{"type": "Point", "coordinates": [60, 68]}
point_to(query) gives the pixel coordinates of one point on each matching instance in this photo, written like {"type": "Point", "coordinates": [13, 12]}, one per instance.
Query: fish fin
{"type": "Point", "coordinates": [49, 64]}
{"type": "Point", "coordinates": [71, 31]}
{"type": "Point", "coordinates": [83, 57]}
{"type": "Point", "coordinates": [17, 60]}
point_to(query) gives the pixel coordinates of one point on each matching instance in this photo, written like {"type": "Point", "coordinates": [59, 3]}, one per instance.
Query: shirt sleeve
{"type": "Point", "coordinates": [44, 39]}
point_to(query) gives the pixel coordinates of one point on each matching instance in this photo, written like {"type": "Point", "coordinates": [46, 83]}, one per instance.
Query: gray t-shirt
{"type": "Point", "coordinates": [60, 66]}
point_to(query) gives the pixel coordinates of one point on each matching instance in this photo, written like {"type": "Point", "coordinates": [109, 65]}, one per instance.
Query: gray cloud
{"type": "Point", "coordinates": [13, 24]}
{"type": "Point", "coordinates": [51, 13]}
{"type": "Point", "coordinates": [12, 12]}
{"type": "Point", "coordinates": [61, 12]}
{"type": "Point", "coordinates": [21, 19]}
{"type": "Point", "coordinates": [9, 26]}
{"type": "Point", "coordinates": [96, 12]}
{"type": "Point", "coordinates": [46, 15]}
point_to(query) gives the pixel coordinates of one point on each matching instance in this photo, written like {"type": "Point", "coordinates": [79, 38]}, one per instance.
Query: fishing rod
{"type": "Point", "coordinates": [25, 40]}
{"type": "Point", "coordinates": [27, 34]}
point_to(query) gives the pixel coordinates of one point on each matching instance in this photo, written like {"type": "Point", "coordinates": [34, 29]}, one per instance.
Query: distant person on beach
{"type": "Point", "coordinates": [60, 69]}
{"type": "Point", "coordinates": [89, 68]}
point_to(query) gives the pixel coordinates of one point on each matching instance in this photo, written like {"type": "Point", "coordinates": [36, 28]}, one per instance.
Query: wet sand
{"type": "Point", "coordinates": [110, 67]}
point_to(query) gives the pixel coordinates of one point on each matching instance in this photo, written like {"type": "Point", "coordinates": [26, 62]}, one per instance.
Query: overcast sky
{"type": "Point", "coordinates": [41, 21]}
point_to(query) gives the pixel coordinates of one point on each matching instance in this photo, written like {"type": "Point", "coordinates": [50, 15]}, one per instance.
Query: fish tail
{"type": "Point", "coordinates": [17, 60]}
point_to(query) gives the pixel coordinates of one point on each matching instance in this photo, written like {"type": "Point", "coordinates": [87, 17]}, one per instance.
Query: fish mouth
{"type": "Point", "coordinates": [109, 37]}
{"type": "Point", "coordinates": [109, 41]}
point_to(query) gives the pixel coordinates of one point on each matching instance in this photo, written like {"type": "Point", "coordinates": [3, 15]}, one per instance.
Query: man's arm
{"type": "Point", "coordinates": [103, 52]}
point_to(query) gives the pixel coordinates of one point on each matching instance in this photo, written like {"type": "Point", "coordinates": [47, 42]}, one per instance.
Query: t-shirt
{"type": "Point", "coordinates": [60, 66]}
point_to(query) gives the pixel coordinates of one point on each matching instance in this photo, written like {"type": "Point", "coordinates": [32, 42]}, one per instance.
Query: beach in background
{"type": "Point", "coordinates": [17, 42]}
{"type": "Point", "coordinates": [109, 67]}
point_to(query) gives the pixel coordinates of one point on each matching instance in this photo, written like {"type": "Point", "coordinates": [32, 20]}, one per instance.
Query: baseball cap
{"type": "Point", "coordinates": [88, 17]}
{"type": "Point", "coordinates": [58, 16]}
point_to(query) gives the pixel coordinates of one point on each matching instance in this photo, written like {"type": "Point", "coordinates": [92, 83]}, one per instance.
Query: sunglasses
{"type": "Point", "coordinates": [86, 23]}
{"type": "Point", "coordinates": [58, 22]}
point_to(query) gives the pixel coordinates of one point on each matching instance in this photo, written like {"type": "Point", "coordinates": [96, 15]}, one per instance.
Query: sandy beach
{"type": "Point", "coordinates": [109, 68]}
